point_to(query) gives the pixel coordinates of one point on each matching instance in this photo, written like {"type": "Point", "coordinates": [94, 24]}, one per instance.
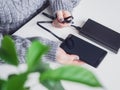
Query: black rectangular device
{"type": "Point", "coordinates": [101, 34]}
{"type": "Point", "coordinates": [87, 52]}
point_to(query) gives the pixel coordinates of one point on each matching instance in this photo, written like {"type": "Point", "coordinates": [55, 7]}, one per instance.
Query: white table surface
{"type": "Point", "coordinates": [106, 12]}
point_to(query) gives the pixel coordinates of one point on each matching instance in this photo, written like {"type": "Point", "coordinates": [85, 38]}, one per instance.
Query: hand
{"type": "Point", "coordinates": [64, 58]}
{"type": "Point", "coordinates": [60, 18]}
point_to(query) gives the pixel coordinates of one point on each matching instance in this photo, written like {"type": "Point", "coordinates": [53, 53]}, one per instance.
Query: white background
{"type": "Point", "coordinates": [106, 12]}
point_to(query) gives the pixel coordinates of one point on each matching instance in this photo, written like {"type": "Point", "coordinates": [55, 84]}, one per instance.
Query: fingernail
{"type": "Point", "coordinates": [77, 57]}
{"type": "Point", "coordinates": [61, 20]}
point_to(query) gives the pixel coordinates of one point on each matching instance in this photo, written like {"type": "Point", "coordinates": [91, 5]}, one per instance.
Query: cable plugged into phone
{"type": "Point", "coordinates": [38, 23]}
{"type": "Point", "coordinates": [76, 27]}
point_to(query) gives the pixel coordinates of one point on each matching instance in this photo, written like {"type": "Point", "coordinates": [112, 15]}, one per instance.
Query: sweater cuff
{"type": "Point", "coordinates": [51, 54]}
{"type": "Point", "coordinates": [61, 5]}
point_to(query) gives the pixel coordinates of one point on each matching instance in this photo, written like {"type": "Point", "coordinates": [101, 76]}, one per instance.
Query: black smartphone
{"type": "Point", "coordinates": [102, 35]}
{"type": "Point", "coordinates": [87, 52]}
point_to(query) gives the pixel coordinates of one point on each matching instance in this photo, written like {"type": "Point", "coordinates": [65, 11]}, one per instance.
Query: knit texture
{"type": "Point", "coordinates": [51, 55]}
{"type": "Point", "coordinates": [22, 45]}
{"type": "Point", "coordinates": [66, 5]}
{"type": "Point", "coordinates": [13, 13]}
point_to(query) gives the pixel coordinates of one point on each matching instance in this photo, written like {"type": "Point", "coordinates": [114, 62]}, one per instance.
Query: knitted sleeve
{"type": "Point", "coordinates": [67, 5]}
{"type": "Point", "coordinates": [14, 13]}
{"type": "Point", "coordinates": [22, 45]}
{"type": "Point", "coordinates": [51, 54]}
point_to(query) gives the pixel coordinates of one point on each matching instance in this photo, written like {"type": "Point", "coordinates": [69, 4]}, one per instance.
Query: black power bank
{"type": "Point", "coordinates": [87, 52]}
{"type": "Point", "coordinates": [101, 35]}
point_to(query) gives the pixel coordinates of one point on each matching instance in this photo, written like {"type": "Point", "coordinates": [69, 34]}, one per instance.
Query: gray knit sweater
{"type": "Point", "coordinates": [13, 13]}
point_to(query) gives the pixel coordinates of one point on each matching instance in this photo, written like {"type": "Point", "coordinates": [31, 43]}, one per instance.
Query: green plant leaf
{"type": "Point", "coordinates": [42, 67]}
{"type": "Point", "coordinates": [8, 51]}
{"type": "Point", "coordinates": [1, 84]}
{"type": "Point", "coordinates": [35, 53]}
{"type": "Point", "coordinates": [16, 82]}
{"type": "Point", "coordinates": [72, 73]}
{"type": "Point", "coordinates": [50, 84]}
{"type": "Point", "coordinates": [53, 85]}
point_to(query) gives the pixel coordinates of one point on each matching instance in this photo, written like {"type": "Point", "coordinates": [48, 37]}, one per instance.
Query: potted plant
{"type": "Point", "coordinates": [50, 78]}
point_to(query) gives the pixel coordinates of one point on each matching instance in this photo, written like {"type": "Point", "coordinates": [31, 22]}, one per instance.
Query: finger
{"type": "Point", "coordinates": [56, 24]}
{"type": "Point", "coordinates": [78, 62]}
{"type": "Point", "coordinates": [59, 25]}
{"type": "Point", "coordinates": [60, 17]}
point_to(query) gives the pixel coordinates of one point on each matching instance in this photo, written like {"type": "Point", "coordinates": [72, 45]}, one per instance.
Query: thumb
{"type": "Point", "coordinates": [60, 17]}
